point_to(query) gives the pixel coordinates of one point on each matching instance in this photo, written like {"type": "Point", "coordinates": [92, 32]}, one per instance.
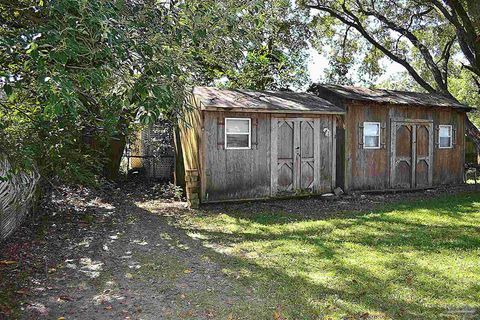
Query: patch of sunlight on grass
{"type": "Point", "coordinates": [406, 261]}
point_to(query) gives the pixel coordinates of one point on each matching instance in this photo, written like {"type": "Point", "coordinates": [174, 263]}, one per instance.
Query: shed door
{"type": "Point", "coordinates": [412, 154]}
{"type": "Point", "coordinates": [294, 153]}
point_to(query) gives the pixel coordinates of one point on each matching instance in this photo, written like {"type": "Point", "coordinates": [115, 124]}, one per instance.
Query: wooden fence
{"type": "Point", "coordinates": [16, 198]}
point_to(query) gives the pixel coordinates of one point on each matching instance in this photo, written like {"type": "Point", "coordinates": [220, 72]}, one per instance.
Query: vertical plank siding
{"type": "Point", "coordinates": [448, 164]}
{"type": "Point", "coordinates": [318, 149]}
{"type": "Point", "coordinates": [340, 153]}
{"type": "Point", "coordinates": [334, 152]}
{"type": "Point", "coordinates": [273, 156]}
{"type": "Point", "coordinates": [248, 174]}
{"type": "Point", "coordinates": [296, 146]}
{"type": "Point", "coordinates": [371, 169]}
{"type": "Point", "coordinates": [365, 168]}
{"type": "Point", "coordinates": [326, 154]}
{"type": "Point", "coordinates": [236, 174]}
{"type": "Point", "coordinates": [297, 153]}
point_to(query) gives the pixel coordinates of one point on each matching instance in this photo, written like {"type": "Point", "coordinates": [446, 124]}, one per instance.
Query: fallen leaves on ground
{"type": "Point", "coordinates": [39, 308]}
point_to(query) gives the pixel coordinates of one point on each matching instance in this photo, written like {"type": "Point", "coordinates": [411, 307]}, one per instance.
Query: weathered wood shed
{"type": "Point", "coordinates": [241, 144]}
{"type": "Point", "coordinates": [397, 140]}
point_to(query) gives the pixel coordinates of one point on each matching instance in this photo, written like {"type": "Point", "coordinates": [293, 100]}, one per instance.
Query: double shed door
{"type": "Point", "coordinates": [412, 154]}
{"type": "Point", "coordinates": [295, 165]}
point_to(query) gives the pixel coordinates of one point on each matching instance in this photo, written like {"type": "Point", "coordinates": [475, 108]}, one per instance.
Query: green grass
{"type": "Point", "coordinates": [418, 260]}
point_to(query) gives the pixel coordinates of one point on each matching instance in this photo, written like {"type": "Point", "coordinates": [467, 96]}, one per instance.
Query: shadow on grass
{"type": "Point", "coordinates": [407, 260]}
{"type": "Point", "coordinates": [386, 263]}
{"type": "Point", "coordinates": [404, 261]}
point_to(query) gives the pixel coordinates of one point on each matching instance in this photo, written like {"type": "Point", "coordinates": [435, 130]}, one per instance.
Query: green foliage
{"type": "Point", "coordinates": [269, 69]}
{"type": "Point", "coordinates": [277, 60]}
{"type": "Point", "coordinates": [435, 41]}
{"type": "Point", "coordinates": [432, 30]}
{"type": "Point", "coordinates": [464, 88]}
{"type": "Point", "coordinates": [76, 75]}
{"type": "Point", "coordinates": [76, 80]}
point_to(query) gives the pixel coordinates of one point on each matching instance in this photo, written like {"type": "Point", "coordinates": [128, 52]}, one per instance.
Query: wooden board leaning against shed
{"type": "Point", "coordinates": [190, 131]}
{"type": "Point", "coordinates": [299, 126]}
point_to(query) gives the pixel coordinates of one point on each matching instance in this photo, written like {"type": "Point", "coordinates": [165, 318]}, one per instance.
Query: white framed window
{"type": "Point", "coordinates": [371, 135]}
{"type": "Point", "coordinates": [238, 133]}
{"type": "Point", "coordinates": [445, 140]}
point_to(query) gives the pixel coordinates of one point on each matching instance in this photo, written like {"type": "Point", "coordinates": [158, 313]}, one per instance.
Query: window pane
{"type": "Point", "coordinates": [445, 131]}
{"type": "Point", "coordinates": [371, 129]}
{"type": "Point", "coordinates": [237, 140]}
{"type": "Point", "coordinates": [445, 142]}
{"type": "Point", "coordinates": [372, 141]}
{"type": "Point", "coordinates": [238, 125]}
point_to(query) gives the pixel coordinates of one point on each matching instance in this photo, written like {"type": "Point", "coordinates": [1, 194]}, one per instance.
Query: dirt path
{"type": "Point", "coordinates": [126, 258]}
{"type": "Point", "coordinates": [111, 260]}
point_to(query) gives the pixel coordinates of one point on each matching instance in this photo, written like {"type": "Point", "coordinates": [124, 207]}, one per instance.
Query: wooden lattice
{"type": "Point", "coordinates": [16, 198]}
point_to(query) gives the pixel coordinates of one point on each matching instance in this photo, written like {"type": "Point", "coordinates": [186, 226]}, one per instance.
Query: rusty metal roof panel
{"type": "Point", "coordinates": [387, 96]}
{"type": "Point", "coordinates": [263, 101]}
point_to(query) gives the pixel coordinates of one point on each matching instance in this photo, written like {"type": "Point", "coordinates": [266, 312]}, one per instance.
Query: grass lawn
{"type": "Point", "coordinates": [417, 260]}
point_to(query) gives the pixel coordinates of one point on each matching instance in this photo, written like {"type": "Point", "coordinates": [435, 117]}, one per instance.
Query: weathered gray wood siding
{"type": "Point", "coordinates": [327, 154]}
{"type": "Point", "coordinates": [369, 169]}
{"type": "Point", "coordinates": [246, 174]}
{"type": "Point", "coordinates": [236, 174]}
{"type": "Point", "coordinates": [365, 168]}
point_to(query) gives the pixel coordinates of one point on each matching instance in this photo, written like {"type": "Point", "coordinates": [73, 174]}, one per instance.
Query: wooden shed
{"type": "Point", "coordinates": [241, 144]}
{"type": "Point", "coordinates": [397, 140]}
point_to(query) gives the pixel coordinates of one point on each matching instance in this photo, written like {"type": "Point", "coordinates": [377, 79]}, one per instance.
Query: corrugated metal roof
{"type": "Point", "coordinates": [263, 101]}
{"type": "Point", "coordinates": [387, 96]}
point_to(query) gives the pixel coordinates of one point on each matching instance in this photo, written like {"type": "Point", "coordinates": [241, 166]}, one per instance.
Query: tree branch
{"type": "Point", "coordinates": [466, 40]}
{"type": "Point", "coordinates": [432, 66]}
{"type": "Point", "coordinates": [354, 22]}
{"type": "Point", "coordinates": [345, 41]}
{"type": "Point", "coordinates": [12, 108]}
{"type": "Point", "coordinates": [446, 54]}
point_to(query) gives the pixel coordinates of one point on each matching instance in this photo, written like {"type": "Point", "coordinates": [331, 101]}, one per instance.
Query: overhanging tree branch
{"type": "Point", "coordinates": [432, 66]}
{"type": "Point", "coordinates": [467, 36]}
{"type": "Point", "coordinates": [353, 21]}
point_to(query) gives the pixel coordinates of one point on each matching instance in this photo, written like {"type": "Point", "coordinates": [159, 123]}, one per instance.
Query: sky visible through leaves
{"type": "Point", "coordinates": [318, 62]}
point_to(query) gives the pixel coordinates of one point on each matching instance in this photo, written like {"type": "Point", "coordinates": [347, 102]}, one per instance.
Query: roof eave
{"type": "Point", "coordinates": [254, 110]}
{"type": "Point", "coordinates": [371, 99]}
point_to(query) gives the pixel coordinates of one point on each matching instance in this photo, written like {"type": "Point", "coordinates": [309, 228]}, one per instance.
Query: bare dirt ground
{"type": "Point", "coordinates": [120, 253]}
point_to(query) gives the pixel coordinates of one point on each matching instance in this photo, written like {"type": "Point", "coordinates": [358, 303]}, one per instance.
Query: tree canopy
{"type": "Point", "coordinates": [433, 40]}
{"type": "Point", "coordinates": [76, 75]}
